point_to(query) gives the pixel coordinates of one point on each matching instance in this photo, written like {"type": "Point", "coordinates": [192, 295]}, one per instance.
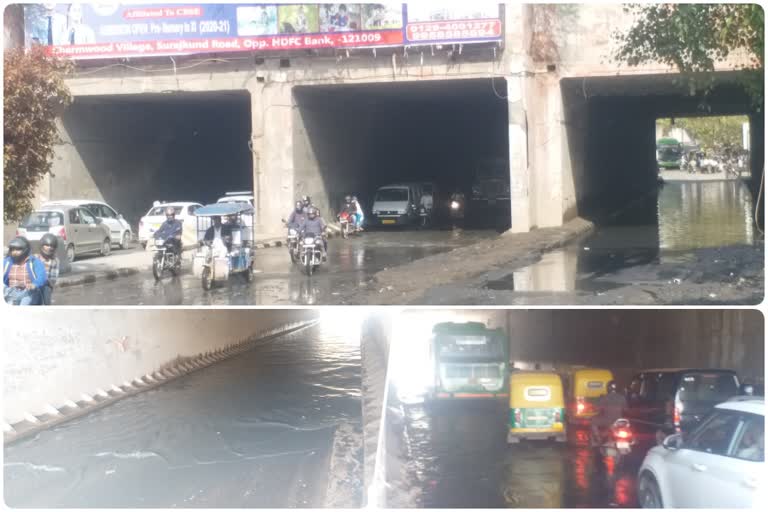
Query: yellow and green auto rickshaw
{"type": "Point", "coordinates": [585, 386]}
{"type": "Point", "coordinates": [536, 406]}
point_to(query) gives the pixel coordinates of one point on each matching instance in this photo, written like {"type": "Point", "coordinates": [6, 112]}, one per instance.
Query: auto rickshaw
{"type": "Point", "coordinates": [585, 386]}
{"type": "Point", "coordinates": [536, 406]}
{"type": "Point", "coordinates": [215, 262]}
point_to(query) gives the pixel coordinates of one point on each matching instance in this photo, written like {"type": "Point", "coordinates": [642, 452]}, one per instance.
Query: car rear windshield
{"type": "Point", "coordinates": [707, 387]}
{"type": "Point", "coordinates": [40, 220]}
{"type": "Point", "coordinates": [160, 210]}
{"type": "Point", "coordinates": [392, 194]}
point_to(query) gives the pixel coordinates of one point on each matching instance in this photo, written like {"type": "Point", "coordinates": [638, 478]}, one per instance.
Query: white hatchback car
{"type": "Point", "coordinates": [185, 212]}
{"type": "Point", "coordinates": [120, 231]}
{"type": "Point", "coordinates": [718, 465]}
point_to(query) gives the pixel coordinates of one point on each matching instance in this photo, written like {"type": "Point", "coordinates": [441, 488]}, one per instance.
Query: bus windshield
{"type": "Point", "coordinates": [469, 347]}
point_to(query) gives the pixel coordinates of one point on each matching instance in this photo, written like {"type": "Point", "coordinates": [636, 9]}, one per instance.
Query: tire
{"type": "Point", "coordinates": [249, 274]}
{"type": "Point", "coordinates": [124, 240]}
{"type": "Point", "coordinates": [157, 266]}
{"type": "Point", "coordinates": [308, 267]}
{"type": "Point", "coordinates": [176, 268]}
{"type": "Point", "coordinates": [648, 494]}
{"type": "Point", "coordinates": [294, 259]}
{"type": "Point", "coordinates": [106, 247]}
{"type": "Point", "coordinates": [71, 253]}
{"type": "Point", "coordinates": [207, 278]}
{"type": "Point", "coordinates": [345, 231]}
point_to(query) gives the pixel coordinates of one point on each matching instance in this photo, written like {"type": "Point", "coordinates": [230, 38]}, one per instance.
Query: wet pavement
{"type": "Point", "coordinates": [279, 426]}
{"type": "Point", "coordinates": [350, 267]}
{"type": "Point", "coordinates": [698, 237]}
{"type": "Point", "coordinates": [454, 455]}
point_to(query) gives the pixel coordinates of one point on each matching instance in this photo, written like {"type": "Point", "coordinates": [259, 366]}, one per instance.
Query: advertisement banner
{"type": "Point", "coordinates": [90, 31]}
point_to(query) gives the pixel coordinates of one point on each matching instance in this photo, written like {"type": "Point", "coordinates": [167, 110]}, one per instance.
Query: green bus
{"type": "Point", "coordinates": [468, 360]}
{"type": "Point", "coordinates": [668, 153]}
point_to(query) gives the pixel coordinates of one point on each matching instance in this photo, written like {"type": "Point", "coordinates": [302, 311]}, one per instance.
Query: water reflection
{"type": "Point", "coordinates": [691, 215]}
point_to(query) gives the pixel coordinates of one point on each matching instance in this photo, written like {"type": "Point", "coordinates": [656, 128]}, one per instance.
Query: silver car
{"type": "Point", "coordinates": [78, 230]}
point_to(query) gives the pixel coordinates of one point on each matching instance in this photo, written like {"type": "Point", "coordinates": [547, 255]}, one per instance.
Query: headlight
{"type": "Point", "coordinates": [159, 243]}
{"type": "Point", "coordinates": [454, 205]}
{"type": "Point", "coordinates": [309, 240]}
{"type": "Point", "coordinates": [292, 232]}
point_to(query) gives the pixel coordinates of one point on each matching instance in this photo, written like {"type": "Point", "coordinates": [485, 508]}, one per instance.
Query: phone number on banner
{"type": "Point", "coordinates": [445, 30]}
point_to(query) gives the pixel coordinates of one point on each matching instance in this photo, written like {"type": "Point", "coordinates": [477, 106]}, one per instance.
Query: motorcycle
{"type": "Point", "coordinates": [616, 441]}
{"type": "Point", "coordinates": [425, 216]}
{"type": "Point", "coordinates": [347, 223]}
{"type": "Point", "coordinates": [165, 259]}
{"type": "Point", "coordinates": [311, 252]}
{"type": "Point", "coordinates": [293, 244]}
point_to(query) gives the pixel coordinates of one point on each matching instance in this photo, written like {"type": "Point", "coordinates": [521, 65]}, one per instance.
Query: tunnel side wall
{"type": "Point", "coordinates": [55, 356]}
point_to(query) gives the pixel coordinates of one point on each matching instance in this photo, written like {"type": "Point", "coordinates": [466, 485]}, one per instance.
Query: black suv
{"type": "Point", "coordinates": [677, 400]}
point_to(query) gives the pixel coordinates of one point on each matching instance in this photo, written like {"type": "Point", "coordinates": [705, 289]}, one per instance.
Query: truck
{"type": "Point", "coordinates": [490, 187]}
{"type": "Point", "coordinates": [468, 360]}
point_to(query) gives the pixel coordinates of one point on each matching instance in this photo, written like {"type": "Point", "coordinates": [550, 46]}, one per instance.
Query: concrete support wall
{"type": "Point", "coordinates": [52, 356]}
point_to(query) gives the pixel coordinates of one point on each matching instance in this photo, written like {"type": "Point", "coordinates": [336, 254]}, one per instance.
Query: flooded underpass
{"type": "Point", "coordinates": [277, 426]}
{"type": "Point", "coordinates": [456, 456]}
{"type": "Point", "coordinates": [698, 236]}
{"type": "Point", "coordinates": [350, 268]}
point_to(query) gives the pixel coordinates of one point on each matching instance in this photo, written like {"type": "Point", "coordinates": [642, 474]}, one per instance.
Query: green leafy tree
{"type": "Point", "coordinates": [694, 38]}
{"type": "Point", "coordinates": [34, 96]}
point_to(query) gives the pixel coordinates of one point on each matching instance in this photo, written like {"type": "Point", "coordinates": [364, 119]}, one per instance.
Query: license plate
{"type": "Point", "coordinates": [387, 221]}
{"type": "Point", "coordinates": [622, 445]}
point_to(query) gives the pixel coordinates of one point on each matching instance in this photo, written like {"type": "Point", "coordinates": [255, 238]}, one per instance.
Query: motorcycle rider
{"type": "Point", "coordinates": [170, 230]}
{"type": "Point", "coordinates": [23, 275]}
{"type": "Point", "coordinates": [297, 216]}
{"type": "Point", "coordinates": [359, 214]}
{"type": "Point", "coordinates": [48, 245]}
{"type": "Point", "coordinates": [314, 225]}
{"type": "Point", "coordinates": [306, 202]}
{"type": "Point", "coordinates": [610, 407]}
{"type": "Point", "coordinates": [349, 208]}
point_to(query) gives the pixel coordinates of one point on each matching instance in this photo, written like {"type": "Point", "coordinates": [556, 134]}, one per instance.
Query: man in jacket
{"type": "Point", "coordinates": [23, 275]}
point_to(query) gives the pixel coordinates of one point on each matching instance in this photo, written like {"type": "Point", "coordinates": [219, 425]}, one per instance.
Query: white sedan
{"type": "Point", "coordinates": [185, 212]}
{"type": "Point", "coordinates": [718, 465]}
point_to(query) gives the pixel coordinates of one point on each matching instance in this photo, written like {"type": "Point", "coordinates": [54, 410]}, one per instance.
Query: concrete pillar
{"type": "Point", "coordinates": [272, 147]}
{"type": "Point", "coordinates": [519, 172]}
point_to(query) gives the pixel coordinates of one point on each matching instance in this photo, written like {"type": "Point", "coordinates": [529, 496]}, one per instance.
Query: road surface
{"type": "Point", "coordinates": [278, 426]}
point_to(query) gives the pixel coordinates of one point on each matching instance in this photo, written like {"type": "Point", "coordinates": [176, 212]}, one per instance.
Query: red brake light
{"type": "Point", "coordinates": [676, 417]}
{"type": "Point", "coordinates": [580, 407]}
{"type": "Point", "coordinates": [63, 233]}
{"type": "Point", "coordinates": [622, 434]}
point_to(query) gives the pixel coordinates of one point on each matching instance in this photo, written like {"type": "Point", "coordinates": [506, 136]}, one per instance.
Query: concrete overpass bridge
{"type": "Point", "coordinates": [577, 129]}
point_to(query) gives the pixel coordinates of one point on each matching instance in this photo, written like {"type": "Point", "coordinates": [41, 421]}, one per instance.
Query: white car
{"type": "Point", "coordinates": [718, 465]}
{"type": "Point", "coordinates": [185, 212]}
{"type": "Point", "coordinates": [119, 228]}
{"type": "Point", "coordinates": [240, 197]}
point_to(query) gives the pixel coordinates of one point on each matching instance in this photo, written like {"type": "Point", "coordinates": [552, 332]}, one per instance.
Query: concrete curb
{"type": "Point", "coordinates": [89, 403]}
{"type": "Point", "coordinates": [109, 275]}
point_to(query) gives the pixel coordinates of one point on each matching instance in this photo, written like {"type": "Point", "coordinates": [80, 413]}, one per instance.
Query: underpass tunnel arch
{"type": "Point", "coordinates": [610, 127]}
{"type": "Point", "coordinates": [130, 150]}
{"type": "Point", "coordinates": [352, 139]}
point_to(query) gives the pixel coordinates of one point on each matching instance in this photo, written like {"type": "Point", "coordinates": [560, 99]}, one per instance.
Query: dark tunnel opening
{"type": "Point", "coordinates": [131, 150]}
{"type": "Point", "coordinates": [361, 137]}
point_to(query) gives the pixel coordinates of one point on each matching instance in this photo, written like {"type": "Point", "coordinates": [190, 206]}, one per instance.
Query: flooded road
{"type": "Point", "coordinates": [278, 426]}
{"type": "Point", "coordinates": [350, 267]}
{"type": "Point", "coordinates": [698, 236]}
{"type": "Point", "coordinates": [456, 456]}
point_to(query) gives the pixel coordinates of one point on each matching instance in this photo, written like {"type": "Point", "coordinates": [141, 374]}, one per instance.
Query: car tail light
{"type": "Point", "coordinates": [676, 417]}
{"type": "Point", "coordinates": [557, 415]}
{"type": "Point", "coordinates": [63, 234]}
{"type": "Point", "coordinates": [518, 417]}
{"type": "Point", "coordinates": [580, 407]}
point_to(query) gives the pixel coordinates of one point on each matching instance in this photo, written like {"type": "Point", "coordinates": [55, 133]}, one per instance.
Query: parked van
{"type": "Point", "coordinates": [396, 204]}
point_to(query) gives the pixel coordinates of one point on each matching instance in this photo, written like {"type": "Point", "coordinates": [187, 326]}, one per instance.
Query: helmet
{"type": "Point", "coordinates": [299, 205]}
{"type": "Point", "coordinates": [611, 386]}
{"type": "Point", "coordinates": [170, 211]}
{"type": "Point", "coordinates": [21, 244]}
{"type": "Point", "coordinates": [49, 240]}
{"type": "Point", "coordinates": [312, 213]}
{"type": "Point", "coordinates": [347, 199]}
{"type": "Point", "coordinates": [306, 200]}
